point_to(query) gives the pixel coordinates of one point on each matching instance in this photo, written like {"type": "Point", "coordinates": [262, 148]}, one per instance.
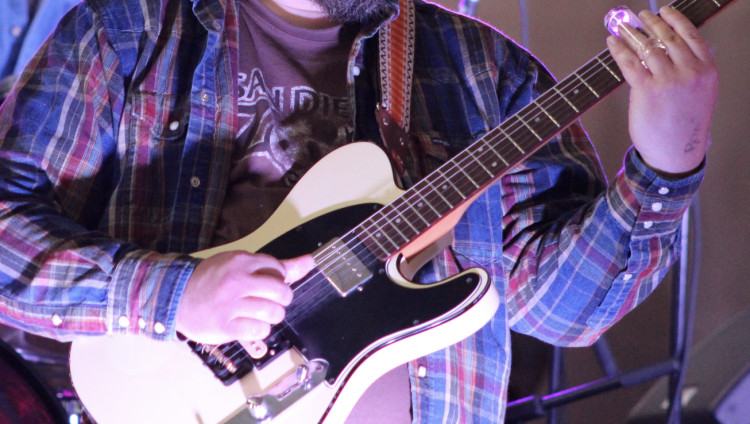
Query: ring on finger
{"type": "Point", "coordinates": [648, 47]}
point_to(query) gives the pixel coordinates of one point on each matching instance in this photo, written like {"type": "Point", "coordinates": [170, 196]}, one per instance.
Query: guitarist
{"type": "Point", "coordinates": [146, 130]}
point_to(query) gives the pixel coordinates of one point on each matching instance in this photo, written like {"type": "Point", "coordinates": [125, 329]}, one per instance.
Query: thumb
{"type": "Point", "coordinates": [297, 268]}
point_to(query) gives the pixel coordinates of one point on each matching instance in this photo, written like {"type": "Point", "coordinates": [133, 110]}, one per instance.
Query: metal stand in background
{"type": "Point", "coordinates": [468, 7]}
{"type": "Point", "coordinates": [683, 307]}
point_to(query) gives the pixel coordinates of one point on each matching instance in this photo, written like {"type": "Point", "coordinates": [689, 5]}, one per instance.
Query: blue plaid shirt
{"type": "Point", "coordinates": [114, 158]}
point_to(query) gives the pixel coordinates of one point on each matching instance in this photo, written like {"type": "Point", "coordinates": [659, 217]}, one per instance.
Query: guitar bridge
{"type": "Point", "coordinates": [231, 361]}
{"type": "Point", "coordinates": [267, 406]}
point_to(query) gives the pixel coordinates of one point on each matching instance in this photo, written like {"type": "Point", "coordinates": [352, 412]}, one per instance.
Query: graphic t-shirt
{"type": "Point", "coordinates": [293, 109]}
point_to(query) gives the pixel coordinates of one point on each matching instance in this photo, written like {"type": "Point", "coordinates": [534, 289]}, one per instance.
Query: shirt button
{"type": "Point", "coordinates": [356, 71]}
{"type": "Point", "coordinates": [123, 321]}
{"type": "Point", "coordinates": [159, 328]}
{"type": "Point", "coordinates": [16, 31]}
{"type": "Point", "coordinates": [56, 320]}
{"type": "Point", "coordinates": [648, 224]}
{"type": "Point", "coordinates": [663, 190]}
{"type": "Point", "coordinates": [204, 97]}
{"type": "Point", "coordinates": [141, 323]}
{"type": "Point", "coordinates": [195, 182]}
{"type": "Point", "coordinates": [627, 277]}
{"type": "Point", "coordinates": [174, 125]}
{"type": "Point", "coordinates": [422, 371]}
{"type": "Point", "coordinates": [656, 206]}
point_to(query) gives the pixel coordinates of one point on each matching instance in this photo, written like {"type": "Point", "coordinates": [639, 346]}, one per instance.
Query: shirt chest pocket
{"type": "Point", "coordinates": [152, 149]}
{"type": "Point", "coordinates": [159, 118]}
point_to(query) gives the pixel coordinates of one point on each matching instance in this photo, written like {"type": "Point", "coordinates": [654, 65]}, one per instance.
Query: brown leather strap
{"type": "Point", "coordinates": [396, 43]}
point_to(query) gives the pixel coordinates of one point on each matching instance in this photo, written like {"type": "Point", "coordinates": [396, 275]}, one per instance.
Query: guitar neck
{"type": "Point", "coordinates": [470, 171]}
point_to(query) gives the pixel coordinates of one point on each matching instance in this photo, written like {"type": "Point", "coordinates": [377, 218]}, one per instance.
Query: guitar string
{"type": "Point", "coordinates": [597, 66]}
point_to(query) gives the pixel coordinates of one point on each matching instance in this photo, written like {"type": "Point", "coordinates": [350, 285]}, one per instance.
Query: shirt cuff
{"type": "Point", "coordinates": [146, 293]}
{"type": "Point", "coordinates": [646, 202]}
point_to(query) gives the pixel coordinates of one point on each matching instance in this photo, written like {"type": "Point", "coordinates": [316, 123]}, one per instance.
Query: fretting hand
{"type": "Point", "coordinates": [673, 93]}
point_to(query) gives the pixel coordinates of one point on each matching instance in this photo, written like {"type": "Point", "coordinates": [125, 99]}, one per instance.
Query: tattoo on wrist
{"type": "Point", "coordinates": [694, 142]}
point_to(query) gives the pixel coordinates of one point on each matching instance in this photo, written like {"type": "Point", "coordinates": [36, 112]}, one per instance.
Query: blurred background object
{"type": "Point", "coordinates": [24, 25]}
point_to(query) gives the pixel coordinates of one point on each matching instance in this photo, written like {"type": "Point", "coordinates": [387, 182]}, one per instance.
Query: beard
{"type": "Point", "coordinates": [357, 11]}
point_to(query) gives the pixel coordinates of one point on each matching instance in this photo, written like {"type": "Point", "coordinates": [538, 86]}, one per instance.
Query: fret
{"type": "Point", "coordinates": [544, 111]}
{"type": "Point", "coordinates": [460, 193]}
{"type": "Point", "coordinates": [582, 96]}
{"type": "Point", "coordinates": [476, 159]}
{"type": "Point", "coordinates": [371, 235]}
{"type": "Point", "coordinates": [520, 118]}
{"type": "Point", "coordinates": [405, 211]}
{"type": "Point", "coordinates": [493, 164]}
{"type": "Point", "coordinates": [414, 207]}
{"type": "Point", "coordinates": [381, 234]}
{"type": "Point", "coordinates": [511, 140]}
{"type": "Point", "coordinates": [588, 86]}
{"type": "Point", "coordinates": [391, 235]}
{"type": "Point", "coordinates": [425, 201]}
{"type": "Point", "coordinates": [379, 246]}
{"type": "Point", "coordinates": [492, 148]}
{"type": "Point", "coordinates": [614, 74]}
{"type": "Point", "coordinates": [436, 191]}
{"type": "Point", "coordinates": [566, 99]}
{"type": "Point", "coordinates": [448, 190]}
{"type": "Point", "coordinates": [400, 219]}
{"type": "Point", "coordinates": [463, 171]}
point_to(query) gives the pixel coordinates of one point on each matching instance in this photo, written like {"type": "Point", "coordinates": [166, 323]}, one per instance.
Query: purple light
{"type": "Point", "coordinates": [618, 17]}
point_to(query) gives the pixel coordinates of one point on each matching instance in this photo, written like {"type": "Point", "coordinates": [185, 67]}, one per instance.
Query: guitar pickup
{"type": "Point", "coordinates": [342, 267]}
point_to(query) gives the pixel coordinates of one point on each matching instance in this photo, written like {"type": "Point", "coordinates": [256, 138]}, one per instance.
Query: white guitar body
{"type": "Point", "coordinates": [131, 379]}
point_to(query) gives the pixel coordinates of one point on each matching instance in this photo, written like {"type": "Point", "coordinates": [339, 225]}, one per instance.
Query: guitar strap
{"type": "Point", "coordinates": [396, 62]}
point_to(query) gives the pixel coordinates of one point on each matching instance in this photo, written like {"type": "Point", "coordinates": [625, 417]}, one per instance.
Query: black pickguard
{"type": "Point", "coordinates": [338, 328]}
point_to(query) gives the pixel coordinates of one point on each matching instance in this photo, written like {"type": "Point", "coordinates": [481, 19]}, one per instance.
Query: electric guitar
{"type": "Point", "coordinates": [357, 315]}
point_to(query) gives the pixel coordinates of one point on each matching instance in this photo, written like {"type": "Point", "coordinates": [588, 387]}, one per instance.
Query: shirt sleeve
{"type": "Point", "coordinates": [570, 253]}
{"type": "Point", "coordinates": [61, 274]}
{"type": "Point", "coordinates": [577, 258]}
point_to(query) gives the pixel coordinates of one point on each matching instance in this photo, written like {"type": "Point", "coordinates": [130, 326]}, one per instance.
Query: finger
{"type": "Point", "coordinates": [265, 264]}
{"type": "Point", "coordinates": [656, 55]}
{"type": "Point", "coordinates": [266, 287]}
{"type": "Point", "coordinates": [258, 309]}
{"type": "Point", "coordinates": [298, 267]}
{"type": "Point", "coordinates": [247, 329]}
{"type": "Point", "coordinates": [627, 61]}
{"type": "Point", "coordinates": [688, 35]}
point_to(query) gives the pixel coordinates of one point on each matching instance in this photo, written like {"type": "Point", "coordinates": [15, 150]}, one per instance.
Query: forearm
{"type": "Point", "coordinates": [60, 280]}
{"type": "Point", "coordinates": [573, 277]}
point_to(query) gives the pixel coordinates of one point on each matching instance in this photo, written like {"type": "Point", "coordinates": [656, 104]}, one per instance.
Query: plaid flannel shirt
{"type": "Point", "coordinates": [115, 148]}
